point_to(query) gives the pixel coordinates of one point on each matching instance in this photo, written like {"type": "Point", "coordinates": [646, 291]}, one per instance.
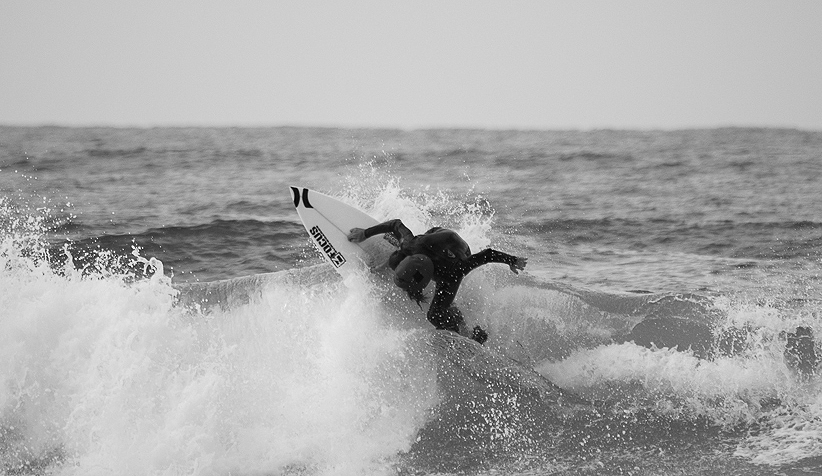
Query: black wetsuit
{"type": "Point", "coordinates": [452, 260]}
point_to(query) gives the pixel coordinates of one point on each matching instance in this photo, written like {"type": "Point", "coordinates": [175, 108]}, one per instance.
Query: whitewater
{"type": "Point", "coordinates": [162, 310]}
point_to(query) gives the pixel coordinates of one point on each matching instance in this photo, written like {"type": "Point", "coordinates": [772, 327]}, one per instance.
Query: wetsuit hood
{"type": "Point", "coordinates": [414, 272]}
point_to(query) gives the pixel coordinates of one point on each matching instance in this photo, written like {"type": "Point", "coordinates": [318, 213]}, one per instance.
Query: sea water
{"type": "Point", "coordinates": [162, 310]}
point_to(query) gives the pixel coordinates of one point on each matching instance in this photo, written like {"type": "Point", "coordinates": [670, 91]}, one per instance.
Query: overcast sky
{"type": "Point", "coordinates": [384, 63]}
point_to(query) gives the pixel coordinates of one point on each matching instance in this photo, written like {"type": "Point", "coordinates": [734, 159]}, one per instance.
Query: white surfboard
{"type": "Point", "coordinates": [328, 222]}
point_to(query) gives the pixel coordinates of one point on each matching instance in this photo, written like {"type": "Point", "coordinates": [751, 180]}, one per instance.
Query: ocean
{"type": "Point", "coordinates": [162, 310]}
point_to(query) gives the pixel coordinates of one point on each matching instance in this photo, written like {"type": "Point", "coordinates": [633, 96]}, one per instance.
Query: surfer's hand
{"type": "Point", "coordinates": [519, 264]}
{"type": "Point", "coordinates": [356, 235]}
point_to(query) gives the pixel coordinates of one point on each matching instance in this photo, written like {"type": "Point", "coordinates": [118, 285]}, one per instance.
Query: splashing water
{"type": "Point", "coordinates": [111, 369]}
{"type": "Point", "coordinates": [103, 373]}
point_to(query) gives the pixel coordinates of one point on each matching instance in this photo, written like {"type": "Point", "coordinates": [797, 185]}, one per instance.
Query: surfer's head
{"type": "Point", "coordinates": [414, 273]}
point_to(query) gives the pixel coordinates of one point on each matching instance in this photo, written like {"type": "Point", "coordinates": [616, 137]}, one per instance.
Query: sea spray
{"type": "Point", "coordinates": [111, 373]}
{"type": "Point", "coordinates": [66, 338]}
{"type": "Point", "coordinates": [372, 188]}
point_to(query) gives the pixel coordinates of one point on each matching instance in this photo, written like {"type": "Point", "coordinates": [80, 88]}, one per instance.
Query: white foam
{"type": "Point", "coordinates": [728, 391]}
{"type": "Point", "coordinates": [790, 435]}
{"type": "Point", "coordinates": [114, 378]}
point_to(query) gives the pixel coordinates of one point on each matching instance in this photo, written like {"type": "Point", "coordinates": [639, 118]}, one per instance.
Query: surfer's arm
{"type": "Point", "coordinates": [489, 255]}
{"type": "Point", "coordinates": [395, 227]}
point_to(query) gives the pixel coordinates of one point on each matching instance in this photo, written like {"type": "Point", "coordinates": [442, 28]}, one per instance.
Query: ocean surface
{"type": "Point", "coordinates": [162, 310]}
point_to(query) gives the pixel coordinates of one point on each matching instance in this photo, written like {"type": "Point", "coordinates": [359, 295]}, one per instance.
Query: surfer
{"type": "Point", "coordinates": [440, 255]}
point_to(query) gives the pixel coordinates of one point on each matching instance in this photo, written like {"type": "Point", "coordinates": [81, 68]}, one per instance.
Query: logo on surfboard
{"type": "Point", "coordinates": [334, 256]}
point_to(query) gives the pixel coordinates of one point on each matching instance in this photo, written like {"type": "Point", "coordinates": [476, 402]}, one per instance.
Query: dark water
{"type": "Point", "coordinates": [247, 355]}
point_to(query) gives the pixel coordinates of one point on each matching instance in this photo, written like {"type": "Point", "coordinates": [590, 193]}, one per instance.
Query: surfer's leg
{"type": "Point", "coordinates": [443, 315]}
{"type": "Point", "coordinates": [456, 319]}
{"type": "Point", "coordinates": [449, 319]}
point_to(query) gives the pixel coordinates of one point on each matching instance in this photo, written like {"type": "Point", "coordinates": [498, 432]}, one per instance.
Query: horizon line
{"type": "Point", "coordinates": [394, 127]}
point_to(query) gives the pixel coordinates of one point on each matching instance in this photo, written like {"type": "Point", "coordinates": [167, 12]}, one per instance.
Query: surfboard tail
{"type": "Point", "coordinates": [328, 221]}
{"type": "Point", "coordinates": [300, 197]}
